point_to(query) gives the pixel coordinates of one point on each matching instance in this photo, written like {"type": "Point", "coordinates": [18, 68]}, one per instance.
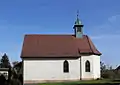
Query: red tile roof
{"type": "Point", "coordinates": [57, 46]}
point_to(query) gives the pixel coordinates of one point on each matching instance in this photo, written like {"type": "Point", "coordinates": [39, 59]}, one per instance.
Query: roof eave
{"type": "Point", "coordinates": [50, 57]}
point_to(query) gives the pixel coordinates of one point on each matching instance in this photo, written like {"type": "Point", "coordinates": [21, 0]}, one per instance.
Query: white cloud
{"type": "Point", "coordinates": [109, 29]}
{"type": "Point", "coordinates": [111, 26]}
{"type": "Point", "coordinates": [114, 18]}
{"type": "Point", "coordinates": [106, 36]}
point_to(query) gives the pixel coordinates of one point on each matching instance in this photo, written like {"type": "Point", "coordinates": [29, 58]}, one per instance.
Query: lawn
{"type": "Point", "coordinates": [83, 82]}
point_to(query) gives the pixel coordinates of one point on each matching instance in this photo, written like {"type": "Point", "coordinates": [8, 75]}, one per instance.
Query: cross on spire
{"type": "Point", "coordinates": [78, 22]}
{"type": "Point", "coordinates": [77, 13]}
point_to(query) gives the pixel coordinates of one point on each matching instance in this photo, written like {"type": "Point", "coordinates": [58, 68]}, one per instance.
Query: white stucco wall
{"type": "Point", "coordinates": [51, 70]}
{"type": "Point", "coordinates": [38, 69]}
{"type": "Point", "coordinates": [95, 67]}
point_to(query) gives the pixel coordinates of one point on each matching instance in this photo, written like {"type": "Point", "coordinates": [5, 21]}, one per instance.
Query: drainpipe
{"type": "Point", "coordinates": [23, 71]}
{"type": "Point", "coordinates": [80, 69]}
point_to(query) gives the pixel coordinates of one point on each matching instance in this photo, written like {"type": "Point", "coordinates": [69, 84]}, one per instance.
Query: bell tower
{"type": "Point", "coordinates": [78, 27]}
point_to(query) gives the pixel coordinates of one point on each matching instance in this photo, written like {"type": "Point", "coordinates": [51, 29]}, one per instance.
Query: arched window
{"type": "Point", "coordinates": [87, 66]}
{"type": "Point", "coordinates": [66, 66]}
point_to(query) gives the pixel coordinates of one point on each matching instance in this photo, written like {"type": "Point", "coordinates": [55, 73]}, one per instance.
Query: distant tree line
{"type": "Point", "coordinates": [107, 72]}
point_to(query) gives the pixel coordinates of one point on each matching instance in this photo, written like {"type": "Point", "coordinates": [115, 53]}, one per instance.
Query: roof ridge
{"type": "Point", "coordinates": [51, 34]}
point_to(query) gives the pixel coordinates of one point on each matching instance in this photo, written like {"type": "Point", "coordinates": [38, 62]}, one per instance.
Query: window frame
{"type": "Point", "coordinates": [87, 66]}
{"type": "Point", "coordinates": [66, 66]}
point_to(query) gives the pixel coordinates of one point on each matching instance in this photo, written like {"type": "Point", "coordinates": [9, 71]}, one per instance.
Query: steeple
{"type": "Point", "coordinates": [78, 27]}
{"type": "Point", "coordinates": [78, 22]}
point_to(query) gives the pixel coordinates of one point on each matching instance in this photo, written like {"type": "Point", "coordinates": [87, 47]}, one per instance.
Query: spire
{"type": "Point", "coordinates": [78, 27]}
{"type": "Point", "coordinates": [78, 22]}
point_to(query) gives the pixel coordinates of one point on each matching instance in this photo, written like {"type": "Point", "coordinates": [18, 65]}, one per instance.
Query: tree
{"type": "Point", "coordinates": [17, 72]}
{"type": "Point", "coordinates": [107, 71]}
{"type": "Point", "coordinates": [104, 73]}
{"type": "Point", "coordinates": [5, 63]}
{"type": "Point", "coordinates": [102, 66]}
{"type": "Point", "coordinates": [15, 63]}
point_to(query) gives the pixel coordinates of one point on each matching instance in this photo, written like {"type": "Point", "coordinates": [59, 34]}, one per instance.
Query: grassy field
{"type": "Point", "coordinates": [88, 82]}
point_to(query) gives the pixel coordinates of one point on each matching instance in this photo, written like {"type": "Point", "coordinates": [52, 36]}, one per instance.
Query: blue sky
{"type": "Point", "coordinates": [101, 20]}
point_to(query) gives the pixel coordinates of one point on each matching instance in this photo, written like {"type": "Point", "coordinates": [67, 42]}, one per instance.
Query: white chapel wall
{"type": "Point", "coordinates": [51, 69]}
{"type": "Point", "coordinates": [94, 64]}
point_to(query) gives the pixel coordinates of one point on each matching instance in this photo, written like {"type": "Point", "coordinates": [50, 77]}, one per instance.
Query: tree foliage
{"type": "Point", "coordinates": [5, 63]}
{"type": "Point", "coordinates": [102, 66]}
{"type": "Point", "coordinates": [14, 77]}
{"type": "Point", "coordinates": [15, 63]}
{"type": "Point", "coordinates": [17, 68]}
{"type": "Point", "coordinates": [108, 72]}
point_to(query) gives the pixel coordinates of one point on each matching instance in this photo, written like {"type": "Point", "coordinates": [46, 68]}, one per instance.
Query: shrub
{"type": "Point", "coordinates": [15, 82]}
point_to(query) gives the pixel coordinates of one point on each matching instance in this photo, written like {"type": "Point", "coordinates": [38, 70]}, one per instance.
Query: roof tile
{"type": "Point", "coordinates": [57, 46]}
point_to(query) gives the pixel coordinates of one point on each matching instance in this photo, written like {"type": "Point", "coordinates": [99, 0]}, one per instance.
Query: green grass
{"type": "Point", "coordinates": [81, 82]}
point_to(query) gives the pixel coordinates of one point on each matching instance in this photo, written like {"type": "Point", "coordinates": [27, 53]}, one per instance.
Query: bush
{"type": "Point", "coordinates": [3, 80]}
{"type": "Point", "coordinates": [15, 82]}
